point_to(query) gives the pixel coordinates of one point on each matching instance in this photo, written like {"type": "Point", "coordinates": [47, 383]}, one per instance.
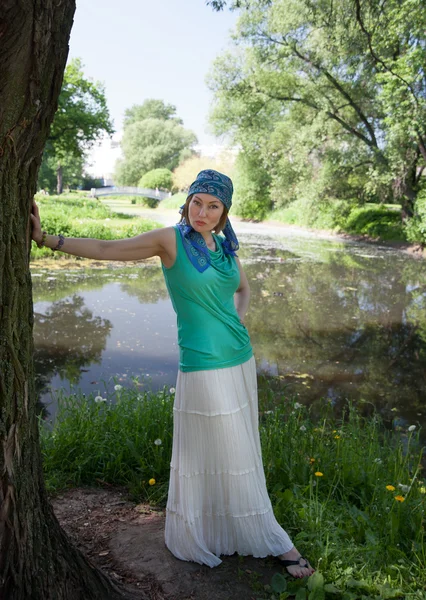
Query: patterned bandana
{"type": "Point", "coordinates": [218, 185]}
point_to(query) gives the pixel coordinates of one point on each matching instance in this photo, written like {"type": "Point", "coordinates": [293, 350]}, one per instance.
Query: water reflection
{"type": "Point", "coordinates": [330, 319]}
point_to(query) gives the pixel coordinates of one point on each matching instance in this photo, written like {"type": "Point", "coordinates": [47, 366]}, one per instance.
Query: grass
{"type": "Point", "coordinates": [328, 478]}
{"type": "Point", "coordinates": [76, 215]}
{"type": "Point", "coordinates": [173, 202]}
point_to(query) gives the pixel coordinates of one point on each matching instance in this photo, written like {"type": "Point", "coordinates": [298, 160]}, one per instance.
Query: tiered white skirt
{"type": "Point", "coordinates": [218, 502]}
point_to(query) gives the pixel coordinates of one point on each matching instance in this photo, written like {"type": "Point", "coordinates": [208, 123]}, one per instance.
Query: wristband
{"type": "Point", "coordinates": [43, 240]}
{"type": "Point", "coordinates": [60, 243]}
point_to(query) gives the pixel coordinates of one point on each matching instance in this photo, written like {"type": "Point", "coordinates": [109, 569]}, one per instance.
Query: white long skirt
{"type": "Point", "coordinates": [218, 502]}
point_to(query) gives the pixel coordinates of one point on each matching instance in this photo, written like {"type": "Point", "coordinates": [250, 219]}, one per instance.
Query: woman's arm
{"type": "Point", "coordinates": [242, 295]}
{"type": "Point", "coordinates": [159, 242]}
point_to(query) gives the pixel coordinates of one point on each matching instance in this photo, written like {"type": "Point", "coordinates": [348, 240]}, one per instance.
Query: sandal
{"type": "Point", "coordinates": [294, 563]}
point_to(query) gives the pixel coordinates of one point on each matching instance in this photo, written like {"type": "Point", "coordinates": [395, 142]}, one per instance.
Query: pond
{"type": "Point", "coordinates": [328, 318]}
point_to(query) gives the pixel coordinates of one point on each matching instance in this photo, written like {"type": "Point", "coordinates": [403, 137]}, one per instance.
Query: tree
{"type": "Point", "coordinates": [187, 171]}
{"type": "Point", "coordinates": [346, 78]}
{"type": "Point", "coordinates": [153, 138]}
{"type": "Point", "coordinates": [37, 560]}
{"type": "Point", "coordinates": [151, 109]}
{"type": "Point", "coordinates": [81, 119]}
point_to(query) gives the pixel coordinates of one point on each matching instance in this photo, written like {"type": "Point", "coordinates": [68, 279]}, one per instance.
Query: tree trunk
{"type": "Point", "coordinates": [59, 185]}
{"type": "Point", "coordinates": [37, 561]}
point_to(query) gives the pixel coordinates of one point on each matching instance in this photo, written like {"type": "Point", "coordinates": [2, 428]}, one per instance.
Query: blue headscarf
{"type": "Point", "coordinates": [220, 186]}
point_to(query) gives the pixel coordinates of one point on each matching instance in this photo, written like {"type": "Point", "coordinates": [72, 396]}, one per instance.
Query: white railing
{"type": "Point", "coordinates": [129, 191]}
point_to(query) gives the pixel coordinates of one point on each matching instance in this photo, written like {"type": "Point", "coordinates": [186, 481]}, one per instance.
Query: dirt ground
{"type": "Point", "coordinates": [126, 541]}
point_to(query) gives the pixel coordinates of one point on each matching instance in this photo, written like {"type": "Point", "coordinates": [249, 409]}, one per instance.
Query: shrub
{"type": "Point", "coordinates": [157, 178]}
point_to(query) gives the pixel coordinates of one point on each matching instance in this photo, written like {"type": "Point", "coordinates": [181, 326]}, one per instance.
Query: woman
{"type": "Point", "coordinates": [217, 502]}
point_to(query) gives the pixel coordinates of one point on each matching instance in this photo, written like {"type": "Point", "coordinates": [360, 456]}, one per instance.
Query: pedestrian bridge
{"type": "Point", "coordinates": [129, 191]}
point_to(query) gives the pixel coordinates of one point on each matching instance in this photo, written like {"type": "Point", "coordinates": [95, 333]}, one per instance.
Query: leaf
{"type": "Point", "coordinates": [317, 594]}
{"type": "Point", "coordinates": [279, 583]}
{"type": "Point", "coordinates": [316, 581]}
{"type": "Point", "coordinates": [301, 594]}
{"type": "Point", "coordinates": [330, 588]}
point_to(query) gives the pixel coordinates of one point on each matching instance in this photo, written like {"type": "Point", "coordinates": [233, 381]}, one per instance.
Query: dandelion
{"type": "Point", "coordinates": [269, 412]}
{"type": "Point", "coordinates": [378, 461]}
{"type": "Point", "coordinates": [319, 474]}
{"type": "Point", "coordinates": [404, 488]}
{"type": "Point", "coordinates": [334, 430]}
{"type": "Point", "coordinates": [151, 481]}
{"type": "Point", "coordinates": [412, 428]}
{"type": "Point", "coordinates": [423, 490]}
{"type": "Point", "coordinates": [118, 387]}
{"type": "Point", "coordinates": [298, 405]}
{"type": "Point", "coordinates": [390, 488]}
{"type": "Point", "coordinates": [172, 390]}
{"type": "Point", "coordinates": [394, 409]}
{"type": "Point", "coordinates": [98, 399]}
{"type": "Point", "coordinates": [158, 442]}
{"type": "Point", "coordinates": [312, 460]}
{"type": "Point", "coordinates": [337, 437]}
{"type": "Point", "coordinates": [400, 498]}
{"type": "Point", "coordinates": [302, 428]}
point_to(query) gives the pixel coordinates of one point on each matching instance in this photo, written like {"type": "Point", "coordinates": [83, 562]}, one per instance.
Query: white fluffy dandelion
{"type": "Point", "coordinates": [298, 405]}
{"type": "Point", "coordinates": [118, 387]}
{"type": "Point", "coordinates": [302, 428]}
{"type": "Point", "coordinates": [98, 399]}
{"type": "Point", "coordinates": [172, 390]}
{"type": "Point", "coordinates": [412, 428]}
{"type": "Point", "coordinates": [158, 442]}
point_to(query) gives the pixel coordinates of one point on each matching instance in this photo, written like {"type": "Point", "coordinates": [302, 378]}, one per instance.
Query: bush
{"type": "Point", "coordinates": [415, 228]}
{"type": "Point", "coordinates": [157, 178]}
{"type": "Point", "coordinates": [376, 221]}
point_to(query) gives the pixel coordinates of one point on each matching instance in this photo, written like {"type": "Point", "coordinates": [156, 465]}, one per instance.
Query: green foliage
{"type": "Point", "coordinates": [72, 172]}
{"type": "Point", "coordinates": [415, 228]}
{"type": "Point", "coordinates": [157, 178]}
{"type": "Point", "coordinates": [364, 541]}
{"type": "Point", "coordinates": [81, 119]}
{"type": "Point", "coordinates": [153, 139]}
{"type": "Point", "coordinates": [174, 202]}
{"type": "Point", "coordinates": [75, 215]}
{"type": "Point", "coordinates": [251, 183]}
{"type": "Point", "coordinates": [112, 440]}
{"type": "Point", "coordinates": [330, 97]}
{"type": "Point", "coordinates": [151, 109]}
{"type": "Point", "coordinates": [377, 222]}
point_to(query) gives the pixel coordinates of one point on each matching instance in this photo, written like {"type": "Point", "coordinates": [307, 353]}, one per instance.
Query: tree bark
{"type": "Point", "coordinates": [37, 561]}
{"type": "Point", "coordinates": [59, 180]}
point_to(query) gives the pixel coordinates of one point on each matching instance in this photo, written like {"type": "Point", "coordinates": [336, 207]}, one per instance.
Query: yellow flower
{"type": "Point", "coordinates": [400, 498]}
{"type": "Point", "coordinates": [319, 474]}
{"type": "Point", "coordinates": [312, 460]}
{"type": "Point", "coordinates": [334, 430]}
{"type": "Point", "coordinates": [337, 437]}
{"type": "Point", "coordinates": [151, 482]}
{"type": "Point", "coordinates": [423, 490]}
{"type": "Point", "coordinates": [390, 488]}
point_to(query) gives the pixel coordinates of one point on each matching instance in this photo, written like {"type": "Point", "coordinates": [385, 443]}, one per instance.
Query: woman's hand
{"type": "Point", "coordinates": [36, 232]}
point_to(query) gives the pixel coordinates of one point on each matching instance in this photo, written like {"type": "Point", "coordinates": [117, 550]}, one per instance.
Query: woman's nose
{"type": "Point", "coordinates": [202, 211]}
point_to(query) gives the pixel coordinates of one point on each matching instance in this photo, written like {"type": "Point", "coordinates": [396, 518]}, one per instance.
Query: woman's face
{"type": "Point", "coordinates": [204, 212]}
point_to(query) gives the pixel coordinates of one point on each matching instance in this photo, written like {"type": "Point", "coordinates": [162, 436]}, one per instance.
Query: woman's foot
{"type": "Point", "coordinates": [295, 564]}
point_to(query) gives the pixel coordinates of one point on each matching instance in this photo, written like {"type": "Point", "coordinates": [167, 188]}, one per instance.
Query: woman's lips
{"type": "Point", "coordinates": [200, 222]}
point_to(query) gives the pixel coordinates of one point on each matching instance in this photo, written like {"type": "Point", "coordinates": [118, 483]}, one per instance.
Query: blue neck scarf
{"type": "Point", "coordinates": [218, 185]}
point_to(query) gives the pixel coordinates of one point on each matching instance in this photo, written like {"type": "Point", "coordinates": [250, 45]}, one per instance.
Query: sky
{"type": "Point", "coordinates": [161, 49]}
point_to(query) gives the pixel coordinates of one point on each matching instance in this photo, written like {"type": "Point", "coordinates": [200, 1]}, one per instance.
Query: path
{"type": "Point", "coordinates": [126, 541]}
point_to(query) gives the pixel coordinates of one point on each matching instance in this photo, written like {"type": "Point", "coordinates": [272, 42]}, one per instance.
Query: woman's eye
{"type": "Point", "coordinates": [213, 206]}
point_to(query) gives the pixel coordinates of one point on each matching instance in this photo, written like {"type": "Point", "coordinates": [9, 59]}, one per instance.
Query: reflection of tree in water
{"type": "Point", "coordinates": [341, 332]}
{"type": "Point", "coordinates": [149, 287]}
{"type": "Point", "coordinates": [66, 338]}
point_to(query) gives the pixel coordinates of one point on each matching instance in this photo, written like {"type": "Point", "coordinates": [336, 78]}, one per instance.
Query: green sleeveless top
{"type": "Point", "coordinates": [210, 334]}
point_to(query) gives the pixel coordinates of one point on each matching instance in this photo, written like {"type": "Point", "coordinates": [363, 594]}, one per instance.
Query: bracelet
{"type": "Point", "coordinates": [60, 243]}
{"type": "Point", "coordinates": [43, 240]}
